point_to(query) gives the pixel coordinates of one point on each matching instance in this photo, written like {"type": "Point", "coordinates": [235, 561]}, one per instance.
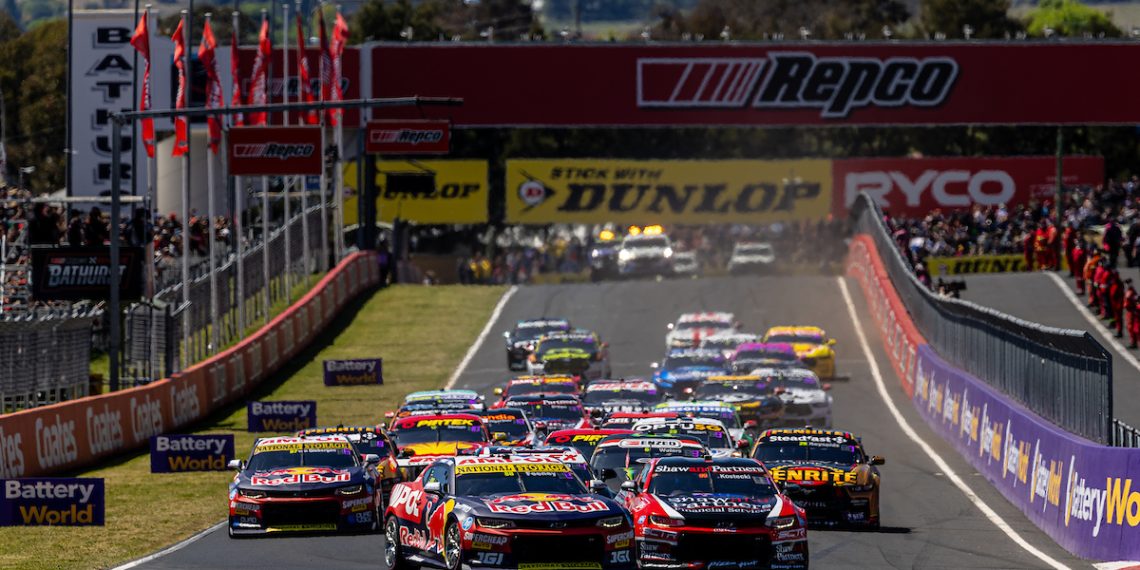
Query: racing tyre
{"type": "Point", "coordinates": [393, 550]}
{"type": "Point", "coordinates": [452, 546]}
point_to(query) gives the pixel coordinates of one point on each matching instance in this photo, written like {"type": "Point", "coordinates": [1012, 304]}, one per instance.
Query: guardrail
{"type": "Point", "coordinates": [1062, 375]}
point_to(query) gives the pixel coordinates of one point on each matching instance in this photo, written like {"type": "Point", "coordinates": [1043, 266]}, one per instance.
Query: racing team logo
{"type": "Point", "coordinates": [532, 193]}
{"type": "Point", "coordinates": [272, 151]}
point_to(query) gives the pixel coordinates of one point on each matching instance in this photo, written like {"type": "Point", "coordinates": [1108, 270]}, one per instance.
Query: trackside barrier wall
{"type": "Point", "coordinates": [1084, 495]}
{"type": "Point", "coordinates": [78, 433]}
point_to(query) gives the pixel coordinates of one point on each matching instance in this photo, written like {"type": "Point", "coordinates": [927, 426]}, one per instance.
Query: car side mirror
{"type": "Point", "coordinates": [654, 365]}
{"type": "Point", "coordinates": [234, 464]}
{"type": "Point", "coordinates": [507, 335]}
{"type": "Point", "coordinates": [597, 485]}
{"type": "Point", "coordinates": [370, 459]}
{"type": "Point", "coordinates": [629, 486]}
{"type": "Point", "coordinates": [497, 391]}
{"type": "Point", "coordinates": [608, 473]}
{"type": "Point", "coordinates": [389, 415]}
{"type": "Point", "coordinates": [878, 460]}
{"type": "Point", "coordinates": [406, 453]}
{"type": "Point", "coordinates": [826, 386]}
{"type": "Point", "coordinates": [432, 487]}
{"type": "Point", "coordinates": [499, 437]}
{"type": "Point", "coordinates": [830, 342]}
{"type": "Point", "coordinates": [669, 326]}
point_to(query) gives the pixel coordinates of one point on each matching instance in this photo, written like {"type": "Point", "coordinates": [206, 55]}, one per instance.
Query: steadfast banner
{"type": "Point", "coordinates": [426, 191]}
{"type": "Point", "coordinates": [353, 372]}
{"type": "Point", "coordinates": [41, 501]}
{"type": "Point", "coordinates": [543, 191]}
{"type": "Point", "coordinates": [281, 416]}
{"type": "Point", "coordinates": [178, 453]}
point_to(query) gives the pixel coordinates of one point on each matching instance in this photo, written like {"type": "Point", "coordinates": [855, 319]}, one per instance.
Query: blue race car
{"type": "Point", "coordinates": [685, 368]}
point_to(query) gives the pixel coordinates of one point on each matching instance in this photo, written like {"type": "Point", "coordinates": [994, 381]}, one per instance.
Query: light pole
{"type": "Point", "coordinates": [25, 170]}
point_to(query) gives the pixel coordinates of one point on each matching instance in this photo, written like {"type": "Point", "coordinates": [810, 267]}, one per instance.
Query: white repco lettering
{"type": "Point", "coordinates": [406, 136]}
{"type": "Point", "coordinates": [279, 151]}
{"type": "Point", "coordinates": [949, 188]}
{"type": "Point", "coordinates": [184, 405]}
{"type": "Point", "coordinates": [146, 418]}
{"type": "Point", "coordinates": [104, 430]}
{"type": "Point", "coordinates": [55, 443]}
{"type": "Point", "coordinates": [11, 455]}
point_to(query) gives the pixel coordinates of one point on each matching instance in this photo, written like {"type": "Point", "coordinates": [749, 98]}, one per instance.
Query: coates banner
{"type": "Point", "coordinates": [591, 191]}
{"type": "Point", "coordinates": [77, 273]}
{"type": "Point", "coordinates": [272, 151]}
{"type": "Point", "coordinates": [39, 501]}
{"type": "Point", "coordinates": [353, 372]}
{"type": "Point", "coordinates": [408, 137]}
{"type": "Point", "coordinates": [178, 453]}
{"type": "Point", "coordinates": [912, 187]}
{"type": "Point", "coordinates": [426, 191]}
{"type": "Point", "coordinates": [281, 416]}
{"type": "Point", "coordinates": [1085, 496]}
{"type": "Point", "coordinates": [865, 83]}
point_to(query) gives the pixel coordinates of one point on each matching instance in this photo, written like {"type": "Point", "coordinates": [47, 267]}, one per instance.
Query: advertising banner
{"type": "Point", "coordinates": [408, 137]}
{"type": "Point", "coordinates": [37, 501]}
{"type": "Point", "coordinates": [426, 191]}
{"type": "Point", "coordinates": [761, 84]}
{"type": "Point", "coordinates": [273, 151]}
{"type": "Point", "coordinates": [179, 453]}
{"type": "Point", "coordinates": [912, 187]}
{"type": "Point", "coordinates": [281, 416]}
{"type": "Point", "coordinates": [590, 191]}
{"type": "Point", "coordinates": [968, 264]}
{"type": "Point", "coordinates": [77, 273]}
{"type": "Point", "coordinates": [350, 65]}
{"type": "Point", "coordinates": [354, 372]}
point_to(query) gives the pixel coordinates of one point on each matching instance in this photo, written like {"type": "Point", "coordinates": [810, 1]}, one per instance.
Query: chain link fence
{"type": "Point", "coordinates": [45, 357]}
{"type": "Point", "coordinates": [1063, 375]}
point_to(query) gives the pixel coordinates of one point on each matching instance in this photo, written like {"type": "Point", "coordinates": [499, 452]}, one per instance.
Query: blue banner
{"type": "Point", "coordinates": [281, 416]}
{"type": "Point", "coordinates": [353, 372]}
{"type": "Point", "coordinates": [178, 453]}
{"type": "Point", "coordinates": [43, 501]}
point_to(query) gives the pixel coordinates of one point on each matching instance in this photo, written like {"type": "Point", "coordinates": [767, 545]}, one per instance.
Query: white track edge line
{"type": "Point", "coordinates": [1117, 565]}
{"type": "Point", "coordinates": [953, 477]}
{"type": "Point", "coordinates": [1107, 333]}
{"type": "Point", "coordinates": [172, 548]}
{"type": "Point", "coordinates": [475, 346]}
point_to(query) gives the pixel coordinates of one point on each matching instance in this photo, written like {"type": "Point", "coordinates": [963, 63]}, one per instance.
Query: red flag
{"type": "Point", "coordinates": [326, 66]}
{"type": "Point", "coordinates": [206, 51]}
{"type": "Point", "coordinates": [310, 117]}
{"type": "Point", "coordinates": [339, 39]}
{"type": "Point", "coordinates": [259, 79]}
{"type": "Point", "coordinates": [235, 76]}
{"type": "Point", "coordinates": [181, 127]}
{"type": "Point", "coordinates": [141, 42]}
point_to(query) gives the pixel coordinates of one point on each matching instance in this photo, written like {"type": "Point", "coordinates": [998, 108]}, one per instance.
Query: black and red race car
{"type": "Point", "coordinates": [713, 513]}
{"type": "Point", "coordinates": [504, 512]}
{"type": "Point", "coordinates": [584, 440]}
{"type": "Point", "coordinates": [508, 426]}
{"type": "Point", "coordinates": [304, 484]}
{"type": "Point", "coordinates": [552, 412]}
{"type": "Point", "coordinates": [530, 385]}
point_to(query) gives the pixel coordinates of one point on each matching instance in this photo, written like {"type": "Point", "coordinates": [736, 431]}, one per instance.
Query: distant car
{"type": "Point", "coordinates": [577, 353]}
{"type": "Point", "coordinates": [684, 368]}
{"type": "Point", "coordinates": [603, 256]}
{"type": "Point", "coordinates": [723, 412]}
{"type": "Point", "coordinates": [713, 434]}
{"type": "Point", "coordinates": [530, 385]}
{"type": "Point", "coordinates": [584, 440]}
{"type": "Point", "coordinates": [751, 257]}
{"type": "Point", "coordinates": [635, 395]}
{"type": "Point", "coordinates": [727, 342]}
{"type": "Point", "coordinates": [826, 472]}
{"type": "Point", "coordinates": [304, 484]}
{"type": "Point", "coordinates": [625, 420]}
{"type": "Point", "coordinates": [645, 255]}
{"type": "Point", "coordinates": [552, 413]}
{"type": "Point", "coordinates": [685, 264]}
{"type": "Point", "coordinates": [753, 397]}
{"type": "Point", "coordinates": [423, 439]}
{"type": "Point", "coordinates": [763, 354]}
{"type": "Point", "coordinates": [807, 401]}
{"type": "Point", "coordinates": [470, 398]}
{"type": "Point", "coordinates": [720, 513]}
{"type": "Point", "coordinates": [619, 458]}
{"type": "Point", "coordinates": [508, 426]}
{"type": "Point", "coordinates": [521, 340]}
{"type": "Point", "coordinates": [368, 440]}
{"type": "Point", "coordinates": [810, 344]}
{"type": "Point", "coordinates": [428, 408]}
{"type": "Point", "coordinates": [690, 328]}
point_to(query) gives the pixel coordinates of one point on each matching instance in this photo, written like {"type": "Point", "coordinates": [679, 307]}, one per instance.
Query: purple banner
{"type": "Point", "coordinates": [178, 453]}
{"type": "Point", "coordinates": [281, 416]}
{"type": "Point", "coordinates": [42, 501]}
{"type": "Point", "coordinates": [1086, 496]}
{"type": "Point", "coordinates": [353, 372]}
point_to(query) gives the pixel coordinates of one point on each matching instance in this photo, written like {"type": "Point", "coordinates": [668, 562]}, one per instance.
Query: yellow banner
{"type": "Point", "coordinates": [967, 264]}
{"type": "Point", "coordinates": [667, 191]}
{"type": "Point", "coordinates": [425, 191]}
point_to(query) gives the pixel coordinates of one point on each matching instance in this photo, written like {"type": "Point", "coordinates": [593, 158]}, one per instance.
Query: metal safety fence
{"type": "Point", "coordinates": [1063, 375]}
{"type": "Point", "coordinates": [45, 357]}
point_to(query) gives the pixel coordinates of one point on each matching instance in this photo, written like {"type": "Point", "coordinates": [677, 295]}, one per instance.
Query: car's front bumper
{"type": "Point", "coordinates": [302, 515]}
{"type": "Point", "coordinates": [581, 547]}
{"type": "Point", "coordinates": [742, 548]}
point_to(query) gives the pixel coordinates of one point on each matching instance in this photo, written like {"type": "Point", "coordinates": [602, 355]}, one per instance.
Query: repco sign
{"type": "Point", "coordinates": [408, 137]}
{"type": "Point", "coordinates": [272, 151]}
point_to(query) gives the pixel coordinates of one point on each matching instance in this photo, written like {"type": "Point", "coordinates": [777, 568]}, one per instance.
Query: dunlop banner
{"type": "Point", "coordinates": [425, 191]}
{"type": "Point", "coordinates": [967, 264]}
{"type": "Point", "coordinates": [546, 191]}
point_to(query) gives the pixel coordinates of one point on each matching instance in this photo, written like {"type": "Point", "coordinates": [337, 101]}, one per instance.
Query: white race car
{"type": "Point", "coordinates": [807, 401]}
{"type": "Point", "coordinates": [727, 342]}
{"type": "Point", "coordinates": [751, 257]}
{"type": "Point", "coordinates": [712, 433]}
{"type": "Point", "coordinates": [691, 328]}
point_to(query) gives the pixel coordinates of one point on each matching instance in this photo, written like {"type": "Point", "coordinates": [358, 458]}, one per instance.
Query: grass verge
{"type": "Point", "coordinates": [421, 332]}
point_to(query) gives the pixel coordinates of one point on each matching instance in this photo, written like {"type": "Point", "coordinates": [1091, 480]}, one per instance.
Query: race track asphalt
{"type": "Point", "coordinates": [927, 522]}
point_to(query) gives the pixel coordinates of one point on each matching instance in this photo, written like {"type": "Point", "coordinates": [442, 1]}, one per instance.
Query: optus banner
{"type": "Point", "coordinates": [426, 191]}
{"type": "Point", "coordinates": [52, 502]}
{"type": "Point", "coordinates": [591, 191]}
{"type": "Point", "coordinates": [912, 187]}
{"type": "Point", "coordinates": [178, 453]}
{"type": "Point", "coordinates": [273, 151]}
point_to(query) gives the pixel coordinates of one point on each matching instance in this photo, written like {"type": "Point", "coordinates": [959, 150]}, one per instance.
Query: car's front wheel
{"type": "Point", "coordinates": [452, 546]}
{"type": "Point", "coordinates": [393, 550]}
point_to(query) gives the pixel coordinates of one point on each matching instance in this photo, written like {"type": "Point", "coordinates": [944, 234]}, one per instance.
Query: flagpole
{"type": "Point", "coordinates": [186, 340]}
{"type": "Point", "coordinates": [239, 227]}
{"type": "Point", "coordinates": [151, 201]}
{"type": "Point", "coordinates": [285, 183]}
{"type": "Point", "coordinates": [266, 298]}
{"type": "Point", "coordinates": [338, 174]}
{"type": "Point", "coordinates": [211, 157]}
{"type": "Point", "coordinates": [307, 266]}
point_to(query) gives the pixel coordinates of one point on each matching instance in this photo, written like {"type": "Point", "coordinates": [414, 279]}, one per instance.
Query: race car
{"type": "Point", "coordinates": [603, 256]}
{"type": "Point", "coordinates": [634, 395]}
{"type": "Point", "coordinates": [751, 258]}
{"type": "Point", "coordinates": [753, 397]}
{"type": "Point", "coordinates": [304, 484]}
{"type": "Point", "coordinates": [811, 345]}
{"type": "Point", "coordinates": [504, 512]}
{"type": "Point", "coordinates": [552, 413]}
{"type": "Point", "coordinates": [684, 368]}
{"type": "Point", "coordinates": [625, 420]}
{"type": "Point", "coordinates": [826, 472]}
{"type": "Point", "coordinates": [711, 433]}
{"type": "Point", "coordinates": [713, 410]}
{"type": "Point", "coordinates": [521, 340]}
{"type": "Point", "coordinates": [685, 264]}
{"type": "Point", "coordinates": [690, 328]}
{"type": "Point", "coordinates": [368, 440]}
{"type": "Point", "coordinates": [807, 402]}
{"type": "Point", "coordinates": [619, 458]}
{"type": "Point", "coordinates": [564, 453]}
{"type": "Point", "coordinates": [645, 254]}
{"type": "Point", "coordinates": [420, 440]}
{"type": "Point", "coordinates": [584, 440]}
{"type": "Point", "coordinates": [719, 513]}
{"type": "Point", "coordinates": [754, 355]}
{"type": "Point", "coordinates": [578, 353]}
{"type": "Point", "coordinates": [508, 426]}
{"type": "Point", "coordinates": [728, 342]}
{"type": "Point", "coordinates": [427, 409]}
{"type": "Point", "coordinates": [526, 385]}
{"type": "Point", "coordinates": [469, 398]}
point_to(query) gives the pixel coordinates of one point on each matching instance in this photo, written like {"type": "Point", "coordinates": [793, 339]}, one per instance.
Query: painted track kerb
{"type": "Point", "coordinates": [1108, 334]}
{"type": "Point", "coordinates": [172, 548]}
{"type": "Point", "coordinates": [880, 385]}
{"type": "Point", "coordinates": [475, 346]}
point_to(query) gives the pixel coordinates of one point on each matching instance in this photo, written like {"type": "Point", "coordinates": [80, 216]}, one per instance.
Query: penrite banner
{"type": "Point", "coordinates": [353, 372]}
{"type": "Point", "coordinates": [179, 453]}
{"type": "Point", "coordinates": [273, 151]}
{"type": "Point", "coordinates": [37, 501]}
{"type": "Point", "coordinates": [77, 273]}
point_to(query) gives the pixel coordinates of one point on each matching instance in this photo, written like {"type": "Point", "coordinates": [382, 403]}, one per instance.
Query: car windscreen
{"type": "Point", "coordinates": [761, 355]}
{"type": "Point", "coordinates": [514, 429]}
{"type": "Point", "coordinates": [533, 333]}
{"type": "Point", "coordinates": [727, 417]}
{"type": "Point", "coordinates": [709, 434]}
{"type": "Point", "coordinates": [801, 382]}
{"type": "Point", "coordinates": [279, 456]}
{"type": "Point", "coordinates": [559, 344]}
{"type": "Point", "coordinates": [746, 481]}
{"type": "Point", "coordinates": [528, 389]}
{"type": "Point", "coordinates": [806, 338]}
{"type": "Point", "coordinates": [646, 243]}
{"type": "Point", "coordinates": [368, 442]}
{"type": "Point", "coordinates": [617, 458]}
{"type": "Point", "coordinates": [600, 397]}
{"type": "Point", "coordinates": [677, 362]}
{"type": "Point", "coordinates": [845, 453]}
{"type": "Point", "coordinates": [433, 433]}
{"type": "Point", "coordinates": [484, 480]}
{"type": "Point", "coordinates": [540, 411]}
{"type": "Point", "coordinates": [689, 325]}
{"type": "Point", "coordinates": [721, 389]}
{"type": "Point", "coordinates": [754, 249]}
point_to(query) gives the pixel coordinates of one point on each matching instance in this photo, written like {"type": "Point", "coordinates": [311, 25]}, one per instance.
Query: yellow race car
{"type": "Point", "coordinates": [811, 345]}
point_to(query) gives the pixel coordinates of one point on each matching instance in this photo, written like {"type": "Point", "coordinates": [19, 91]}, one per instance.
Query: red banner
{"type": "Point", "coordinates": [273, 151]}
{"type": "Point", "coordinates": [408, 137]}
{"type": "Point", "coordinates": [912, 187]}
{"type": "Point", "coordinates": [349, 83]}
{"type": "Point", "coordinates": [763, 84]}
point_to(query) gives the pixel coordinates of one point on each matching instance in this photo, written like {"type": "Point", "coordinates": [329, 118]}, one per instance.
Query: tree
{"type": "Point", "coordinates": [988, 18]}
{"type": "Point", "coordinates": [750, 20]}
{"type": "Point", "coordinates": [1069, 18]}
{"type": "Point", "coordinates": [38, 136]}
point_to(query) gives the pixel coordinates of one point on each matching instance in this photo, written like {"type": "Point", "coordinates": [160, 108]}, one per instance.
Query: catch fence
{"type": "Point", "coordinates": [45, 356]}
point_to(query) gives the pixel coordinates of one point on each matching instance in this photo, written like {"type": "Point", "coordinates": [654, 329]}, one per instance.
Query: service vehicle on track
{"type": "Point", "coordinates": [584, 440]}
{"type": "Point", "coordinates": [368, 440]}
{"type": "Point", "coordinates": [811, 345]}
{"type": "Point", "coordinates": [760, 354]}
{"type": "Point", "coordinates": [528, 385]}
{"type": "Point", "coordinates": [753, 397]}
{"type": "Point", "coordinates": [578, 353]}
{"type": "Point", "coordinates": [719, 513]}
{"type": "Point", "coordinates": [633, 395]}
{"type": "Point", "coordinates": [619, 458]}
{"type": "Point", "coordinates": [521, 340]}
{"type": "Point", "coordinates": [420, 440]}
{"type": "Point", "coordinates": [508, 426]}
{"type": "Point", "coordinates": [807, 401]}
{"type": "Point", "coordinates": [826, 472]}
{"type": "Point", "coordinates": [690, 328]}
{"type": "Point", "coordinates": [649, 253]}
{"type": "Point", "coordinates": [751, 258]}
{"type": "Point", "coordinates": [713, 434]}
{"type": "Point", "coordinates": [304, 484]}
{"type": "Point", "coordinates": [684, 368]}
{"type": "Point", "coordinates": [553, 412]}
{"type": "Point", "coordinates": [728, 342]}
{"type": "Point", "coordinates": [504, 512]}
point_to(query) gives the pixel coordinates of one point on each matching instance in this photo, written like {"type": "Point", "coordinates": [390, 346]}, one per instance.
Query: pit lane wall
{"type": "Point", "coordinates": [69, 435]}
{"type": "Point", "coordinates": [1084, 495]}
